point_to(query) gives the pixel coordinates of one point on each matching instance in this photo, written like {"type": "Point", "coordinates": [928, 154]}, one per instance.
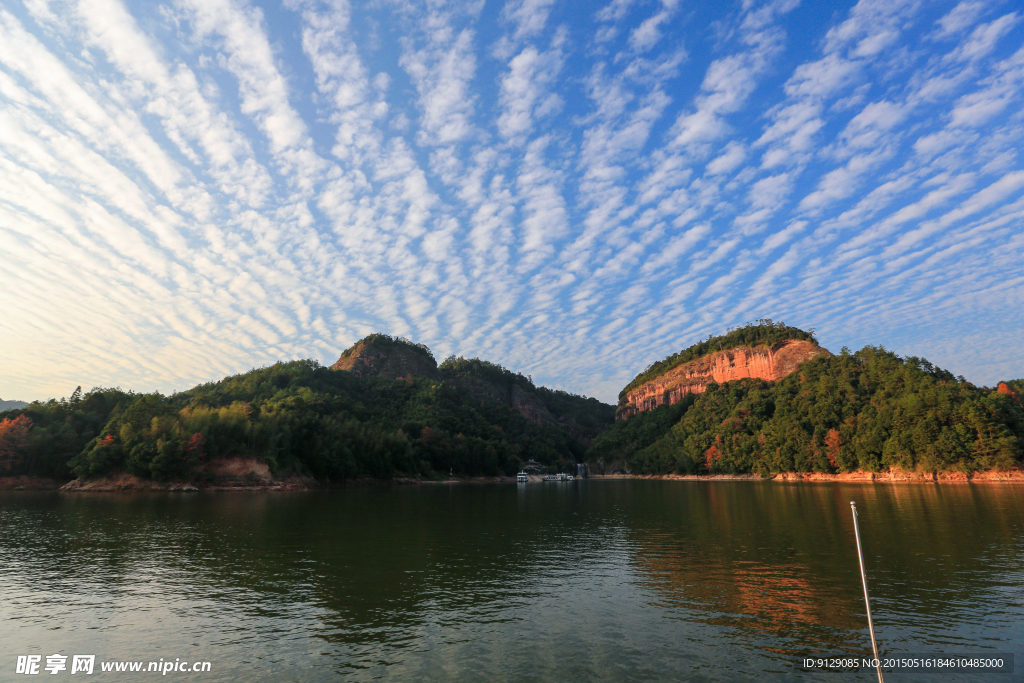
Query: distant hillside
{"type": "Point", "coordinates": [764, 350]}
{"type": "Point", "coordinates": [384, 410]}
{"type": "Point", "coordinates": [381, 355]}
{"type": "Point", "coordinates": [11, 405]}
{"type": "Point", "coordinates": [868, 410]}
{"type": "Point", "coordinates": [694, 377]}
{"type": "Point", "coordinates": [581, 417]}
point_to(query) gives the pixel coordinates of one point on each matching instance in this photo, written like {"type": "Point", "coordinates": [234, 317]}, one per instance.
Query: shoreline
{"type": "Point", "coordinates": [891, 476]}
{"type": "Point", "coordinates": [127, 483]}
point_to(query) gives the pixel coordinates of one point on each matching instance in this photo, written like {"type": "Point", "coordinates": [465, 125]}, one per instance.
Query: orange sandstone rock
{"type": "Point", "coordinates": [763, 362]}
{"type": "Point", "coordinates": [395, 362]}
{"type": "Point", "coordinates": [399, 361]}
{"type": "Point", "coordinates": [1004, 389]}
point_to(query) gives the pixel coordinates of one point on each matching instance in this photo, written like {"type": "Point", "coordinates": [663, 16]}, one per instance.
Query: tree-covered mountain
{"type": "Point", "coordinates": [305, 419]}
{"type": "Point", "coordinates": [387, 409]}
{"type": "Point", "coordinates": [11, 405]}
{"type": "Point", "coordinates": [42, 437]}
{"type": "Point", "coordinates": [763, 332]}
{"type": "Point", "coordinates": [866, 410]}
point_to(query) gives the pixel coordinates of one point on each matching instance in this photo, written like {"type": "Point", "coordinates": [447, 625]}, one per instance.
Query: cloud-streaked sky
{"type": "Point", "coordinates": [192, 188]}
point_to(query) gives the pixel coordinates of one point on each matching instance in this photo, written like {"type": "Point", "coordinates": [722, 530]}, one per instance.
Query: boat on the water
{"type": "Point", "coordinates": [521, 478]}
{"type": "Point", "coordinates": [561, 476]}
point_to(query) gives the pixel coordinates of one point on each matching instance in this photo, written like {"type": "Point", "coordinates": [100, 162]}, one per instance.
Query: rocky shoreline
{"type": "Point", "coordinates": [891, 476]}
{"type": "Point", "coordinates": [27, 483]}
{"type": "Point", "coordinates": [250, 475]}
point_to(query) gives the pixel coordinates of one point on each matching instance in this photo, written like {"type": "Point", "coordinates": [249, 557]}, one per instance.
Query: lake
{"type": "Point", "coordinates": [620, 580]}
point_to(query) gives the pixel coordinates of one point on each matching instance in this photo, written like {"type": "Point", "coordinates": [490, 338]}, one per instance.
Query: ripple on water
{"type": "Point", "coordinates": [631, 580]}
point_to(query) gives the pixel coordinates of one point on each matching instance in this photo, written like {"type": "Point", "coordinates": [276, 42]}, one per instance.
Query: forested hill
{"type": "Point", "coordinates": [867, 410]}
{"type": "Point", "coordinates": [391, 410]}
{"type": "Point", "coordinates": [11, 405]}
{"type": "Point", "coordinates": [306, 419]}
{"type": "Point", "coordinates": [764, 332]}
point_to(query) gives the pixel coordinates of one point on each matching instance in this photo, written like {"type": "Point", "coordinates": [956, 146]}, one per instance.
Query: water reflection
{"type": "Point", "coordinates": [779, 563]}
{"type": "Point", "coordinates": [589, 581]}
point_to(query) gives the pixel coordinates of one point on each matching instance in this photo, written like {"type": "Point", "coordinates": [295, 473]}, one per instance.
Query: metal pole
{"type": "Point", "coordinates": [867, 600]}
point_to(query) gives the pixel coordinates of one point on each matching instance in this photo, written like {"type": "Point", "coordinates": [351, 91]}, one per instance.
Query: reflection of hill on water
{"type": "Point", "coordinates": [771, 558]}
{"type": "Point", "coordinates": [364, 566]}
{"type": "Point", "coordinates": [376, 573]}
{"type": "Point", "coordinates": [779, 599]}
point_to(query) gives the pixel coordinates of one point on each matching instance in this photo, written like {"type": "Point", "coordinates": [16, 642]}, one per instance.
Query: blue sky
{"type": "Point", "coordinates": [193, 188]}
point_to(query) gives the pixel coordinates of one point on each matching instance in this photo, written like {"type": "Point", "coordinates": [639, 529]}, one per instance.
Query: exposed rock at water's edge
{"type": "Point", "coordinates": [236, 473]}
{"type": "Point", "coordinates": [892, 475]}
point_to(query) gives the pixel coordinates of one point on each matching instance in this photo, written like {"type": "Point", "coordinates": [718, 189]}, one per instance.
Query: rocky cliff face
{"type": "Point", "coordinates": [1004, 388]}
{"type": "Point", "coordinates": [763, 362]}
{"type": "Point", "coordinates": [530, 405]}
{"type": "Point", "coordinates": [481, 389]}
{"type": "Point", "coordinates": [523, 400]}
{"type": "Point", "coordinates": [395, 361]}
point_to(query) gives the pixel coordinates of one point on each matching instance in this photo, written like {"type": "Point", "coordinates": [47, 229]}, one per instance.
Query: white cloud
{"type": "Point", "coordinates": [262, 88]}
{"type": "Point", "coordinates": [175, 96]}
{"type": "Point", "coordinates": [442, 71]}
{"type": "Point", "coordinates": [999, 90]}
{"type": "Point", "coordinates": [545, 218]}
{"type": "Point", "coordinates": [731, 157]}
{"type": "Point", "coordinates": [526, 90]}
{"type": "Point", "coordinates": [615, 10]}
{"type": "Point", "coordinates": [229, 189]}
{"type": "Point", "coordinates": [529, 16]}
{"type": "Point", "coordinates": [960, 18]}
{"type": "Point", "coordinates": [984, 38]}
{"type": "Point", "coordinates": [649, 32]}
{"type": "Point", "coordinates": [358, 100]}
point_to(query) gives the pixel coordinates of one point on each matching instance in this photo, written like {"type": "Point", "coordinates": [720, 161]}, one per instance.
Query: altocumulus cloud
{"type": "Point", "coordinates": [191, 189]}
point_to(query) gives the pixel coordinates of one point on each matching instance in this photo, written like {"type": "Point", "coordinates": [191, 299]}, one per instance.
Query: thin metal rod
{"type": "Point", "coordinates": [867, 600]}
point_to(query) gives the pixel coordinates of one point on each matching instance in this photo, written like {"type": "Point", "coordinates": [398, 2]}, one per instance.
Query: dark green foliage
{"type": "Point", "coordinates": [385, 341]}
{"type": "Point", "coordinates": [628, 437]}
{"type": "Point", "coordinates": [302, 418]}
{"type": "Point", "coordinates": [869, 410]}
{"type": "Point", "coordinates": [61, 429]}
{"type": "Point", "coordinates": [452, 367]}
{"type": "Point", "coordinates": [589, 414]}
{"type": "Point", "coordinates": [761, 333]}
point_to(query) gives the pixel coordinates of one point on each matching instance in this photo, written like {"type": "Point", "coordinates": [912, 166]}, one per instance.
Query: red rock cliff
{"type": "Point", "coordinates": [396, 361]}
{"type": "Point", "coordinates": [1004, 388]}
{"type": "Point", "coordinates": [763, 362]}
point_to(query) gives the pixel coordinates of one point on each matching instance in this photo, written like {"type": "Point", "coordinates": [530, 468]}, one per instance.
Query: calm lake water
{"type": "Point", "coordinates": [583, 581]}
